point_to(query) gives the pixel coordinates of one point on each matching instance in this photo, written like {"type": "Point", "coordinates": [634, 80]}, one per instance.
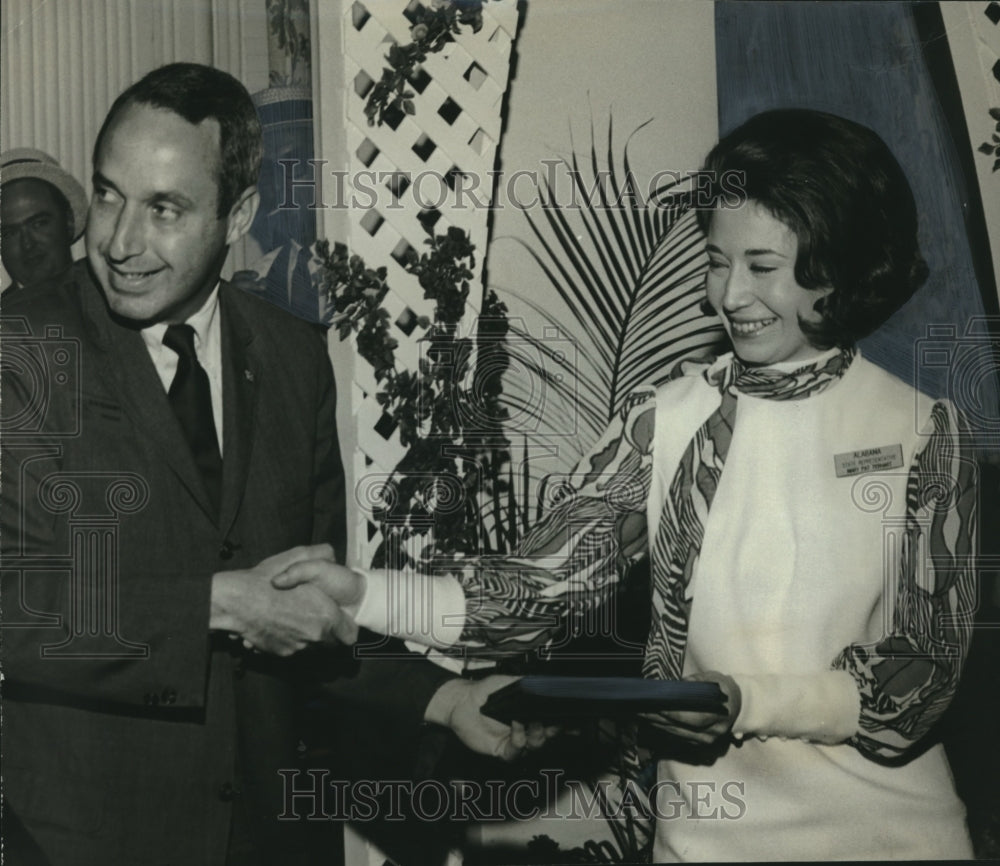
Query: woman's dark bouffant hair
{"type": "Point", "coordinates": [836, 184]}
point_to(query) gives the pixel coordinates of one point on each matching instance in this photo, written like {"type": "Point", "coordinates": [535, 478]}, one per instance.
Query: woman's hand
{"type": "Point", "coordinates": [705, 728]}
{"type": "Point", "coordinates": [457, 704]}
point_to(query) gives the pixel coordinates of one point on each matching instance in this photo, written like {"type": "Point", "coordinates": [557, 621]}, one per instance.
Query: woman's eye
{"type": "Point", "coordinates": [761, 269]}
{"type": "Point", "coordinates": [715, 265]}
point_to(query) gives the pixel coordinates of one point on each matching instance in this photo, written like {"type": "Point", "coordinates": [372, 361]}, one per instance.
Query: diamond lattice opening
{"type": "Point", "coordinates": [450, 111]}
{"type": "Point", "coordinates": [366, 152]}
{"type": "Point", "coordinates": [372, 221]}
{"type": "Point", "coordinates": [424, 147]}
{"type": "Point", "coordinates": [475, 75]}
{"type": "Point", "coordinates": [359, 16]}
{"type": "Point", "coordinates": [363, 83]}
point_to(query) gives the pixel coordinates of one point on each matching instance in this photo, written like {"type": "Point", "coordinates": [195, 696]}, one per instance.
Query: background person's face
{"type": "Point", "coordinates": [154, 239]}
{"type": "Point", "coordinates": [36, 232]}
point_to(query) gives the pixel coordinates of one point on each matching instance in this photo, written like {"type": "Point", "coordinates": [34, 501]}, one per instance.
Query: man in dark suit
{"type": "Point", "coordinates": [169, 446]}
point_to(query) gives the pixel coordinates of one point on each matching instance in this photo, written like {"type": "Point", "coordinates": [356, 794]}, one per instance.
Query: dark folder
{"type": "Point", "coordinates": [563, 699]}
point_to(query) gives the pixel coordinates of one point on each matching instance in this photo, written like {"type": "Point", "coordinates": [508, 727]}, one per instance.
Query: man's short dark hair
{"type": "Point", "coordinates": [836, 184]}
{"type": "Point", "coordinates": [197, 92]}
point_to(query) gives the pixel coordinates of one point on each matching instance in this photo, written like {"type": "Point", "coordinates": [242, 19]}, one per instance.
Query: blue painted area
{"type": "Point", "coordinates": [863, 61]}
{"type": "Point", "coordinates": [288, 135]}
{"type": "Point", "coordinates": [284, 219]}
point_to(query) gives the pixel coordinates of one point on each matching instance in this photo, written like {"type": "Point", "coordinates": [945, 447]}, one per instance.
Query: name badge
{"type": "Point", "coordinates": [868, 460]}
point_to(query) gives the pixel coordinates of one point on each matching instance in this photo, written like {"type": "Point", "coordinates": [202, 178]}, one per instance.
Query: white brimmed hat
{"type": "Point", "coordinates": [25, 162]}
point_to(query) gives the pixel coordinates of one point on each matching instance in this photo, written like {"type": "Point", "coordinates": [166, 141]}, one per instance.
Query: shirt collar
{"type": "Point", "coordinates": [201, 321]}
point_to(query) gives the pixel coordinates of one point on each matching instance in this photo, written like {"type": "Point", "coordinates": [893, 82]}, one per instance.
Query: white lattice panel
{"type": "Point", "coordinates": [455, 130]}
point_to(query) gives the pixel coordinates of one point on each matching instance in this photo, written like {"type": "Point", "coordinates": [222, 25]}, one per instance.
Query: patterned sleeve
{"type": "Point", "coordinates": [572, 558]}
{"type": "Point", "coordinates": [907, 680]}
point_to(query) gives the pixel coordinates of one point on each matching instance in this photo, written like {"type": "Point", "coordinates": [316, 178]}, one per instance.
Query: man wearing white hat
{"type": "Point", "coordinates": [43, 210]}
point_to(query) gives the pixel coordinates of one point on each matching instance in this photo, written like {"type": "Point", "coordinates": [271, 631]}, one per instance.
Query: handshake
{"type": "Point", "coordinates": [303, 597]}
{"type": "Point", "coordinates": [289, 601]}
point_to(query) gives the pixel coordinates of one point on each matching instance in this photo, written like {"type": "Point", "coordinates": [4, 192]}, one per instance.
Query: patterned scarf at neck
{"type": "Point", "coordinates": [677, 544]}
{"type": "Point", "coordinates": [736, 377]}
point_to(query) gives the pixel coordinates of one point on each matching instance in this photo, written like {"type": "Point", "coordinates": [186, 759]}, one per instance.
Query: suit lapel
{"type": "Point", "coordinates": [129, 371]}
{"type": "Point", "coordinates": [241, 372]}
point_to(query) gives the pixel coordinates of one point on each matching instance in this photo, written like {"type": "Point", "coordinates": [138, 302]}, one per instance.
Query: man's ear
{"type": "Point", "coordinates": [241, 214]}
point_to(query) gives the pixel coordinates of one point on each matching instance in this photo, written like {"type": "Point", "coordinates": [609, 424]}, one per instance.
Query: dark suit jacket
{"type": "Point", "coordinates": [132, 736]}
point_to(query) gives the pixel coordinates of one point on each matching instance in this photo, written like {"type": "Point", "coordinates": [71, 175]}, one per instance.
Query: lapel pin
{"type": "Point", "coordinates": [249, 375]}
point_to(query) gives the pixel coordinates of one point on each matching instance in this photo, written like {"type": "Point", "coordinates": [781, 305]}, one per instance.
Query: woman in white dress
{"type": "Point", "coordinates": [810, 520]}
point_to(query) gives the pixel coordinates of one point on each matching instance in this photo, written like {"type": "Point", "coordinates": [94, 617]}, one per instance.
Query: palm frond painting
{"type": "Point", "coordinates": [629, 272]}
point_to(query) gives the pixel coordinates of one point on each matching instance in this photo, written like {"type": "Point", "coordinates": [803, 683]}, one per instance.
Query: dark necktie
{"type": "Point", "coordinates": [191, 399]}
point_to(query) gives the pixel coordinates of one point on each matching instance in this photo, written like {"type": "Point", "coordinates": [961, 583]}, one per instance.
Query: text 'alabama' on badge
{"type": "Point", "coordinates": [865, 460]}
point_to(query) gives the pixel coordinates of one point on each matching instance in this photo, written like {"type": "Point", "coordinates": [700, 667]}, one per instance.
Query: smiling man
{"type": "Point", "coordinates": [164, 211]}
{"type": "Point", "coordinates": [170, 445]}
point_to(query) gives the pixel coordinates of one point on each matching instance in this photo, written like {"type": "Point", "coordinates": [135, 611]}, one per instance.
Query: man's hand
{"type": "Point", "coordinates": [456, 705]}
{"type": "Point", "coordinates": [278, 621]}
{"type": "Point", "coordinates": [338, 582]}
{"type": "Point", "coordinates": [703, 728]}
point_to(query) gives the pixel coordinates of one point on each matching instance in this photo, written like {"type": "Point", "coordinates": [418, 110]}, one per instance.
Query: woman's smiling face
{"type": "Point", "coordinates": [751, 284]}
